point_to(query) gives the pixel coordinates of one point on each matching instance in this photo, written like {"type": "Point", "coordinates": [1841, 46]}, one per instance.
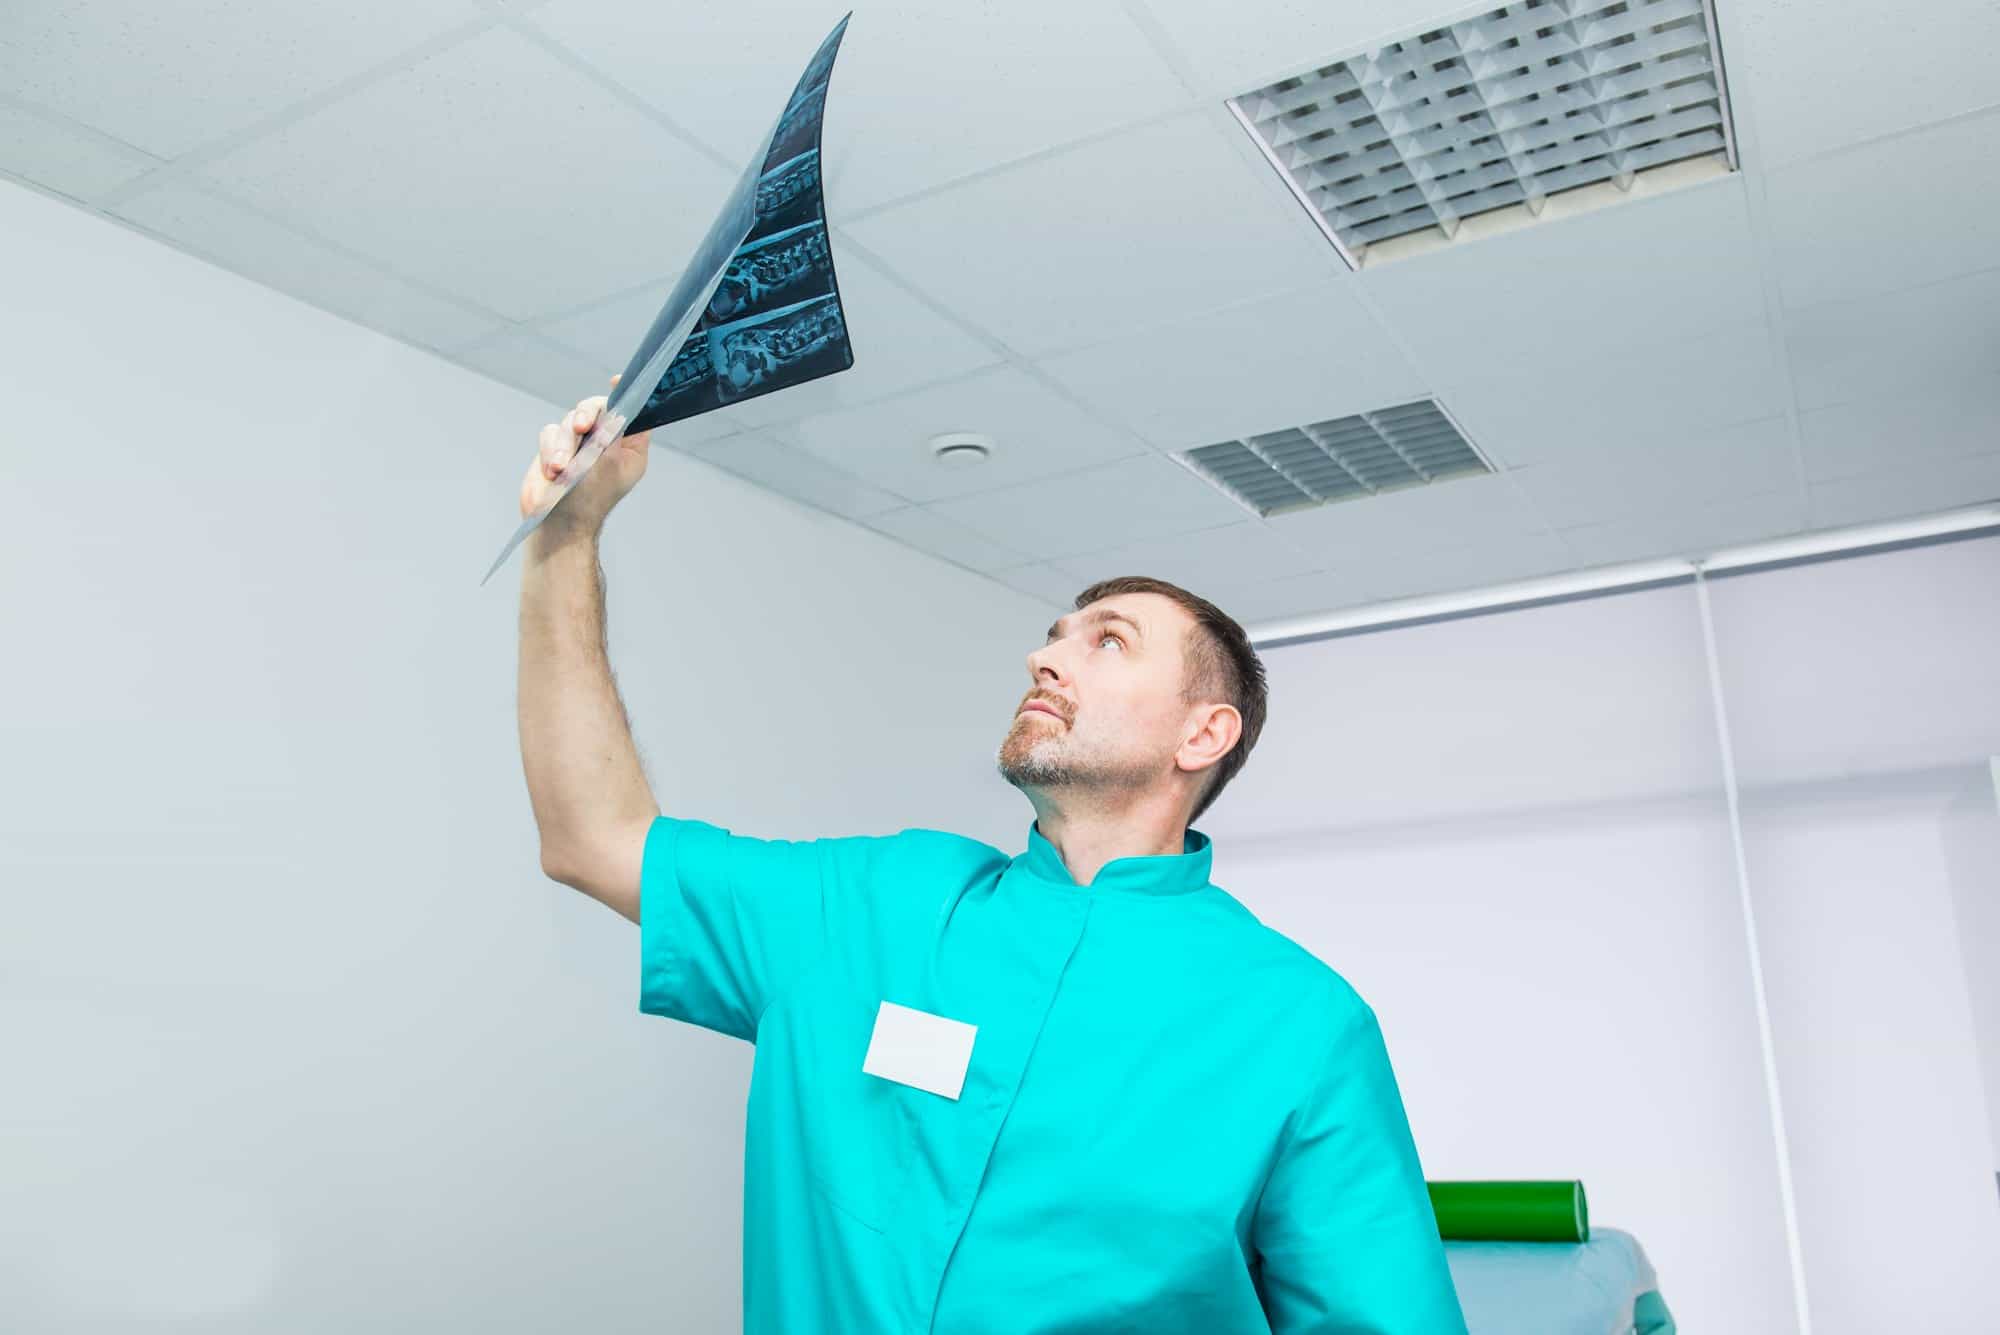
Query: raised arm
{"type": "Point", "coordinates": [592, 803]}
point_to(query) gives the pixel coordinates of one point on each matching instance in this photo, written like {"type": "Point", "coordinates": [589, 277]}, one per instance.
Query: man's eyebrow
{"type": "Point", "coordinates": [1101, 614]}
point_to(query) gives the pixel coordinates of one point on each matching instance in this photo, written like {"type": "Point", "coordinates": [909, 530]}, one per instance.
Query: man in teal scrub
{"type": "Point", "coordinates": [1075, 1089]}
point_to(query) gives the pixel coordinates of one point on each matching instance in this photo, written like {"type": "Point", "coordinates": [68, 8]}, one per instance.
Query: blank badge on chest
{"type": "Point", "coordinates": [916, 1048]}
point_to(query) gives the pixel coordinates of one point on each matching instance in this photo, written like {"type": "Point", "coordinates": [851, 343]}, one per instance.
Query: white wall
{"type": "Point", "coordinates": [1864, 699]}
{"type": "Point", "coordinates": [1971, 831]}
{"type": "Point", "coordinates": [1878, 1060]}
{"type": "Point", "coordinates": [295, 1035]}
{"type": "Point", "coordinates": [1510, 832]}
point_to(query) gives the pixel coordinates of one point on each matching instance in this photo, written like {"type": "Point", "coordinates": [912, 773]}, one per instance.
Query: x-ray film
{"type": "Point", "coordinates": [755, 310]}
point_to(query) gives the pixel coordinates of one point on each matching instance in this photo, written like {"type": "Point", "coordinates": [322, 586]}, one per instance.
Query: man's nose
{"type": "Point", "coordinates": [1045, 663]}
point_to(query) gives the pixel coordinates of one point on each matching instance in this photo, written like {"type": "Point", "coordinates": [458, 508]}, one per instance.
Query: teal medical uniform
{"type": "Point", "coordinates": [1173, 1118]}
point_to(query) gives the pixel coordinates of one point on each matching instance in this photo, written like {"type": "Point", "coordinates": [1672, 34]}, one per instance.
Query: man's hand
{"type": "Point", "coordinates": [615, 473]}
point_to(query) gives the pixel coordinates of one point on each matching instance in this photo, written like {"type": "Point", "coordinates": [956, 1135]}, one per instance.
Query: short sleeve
{"type": "Point", "coordinates": [727, 921]}
{"type": "Point", "coordinates": [1345, 1234]}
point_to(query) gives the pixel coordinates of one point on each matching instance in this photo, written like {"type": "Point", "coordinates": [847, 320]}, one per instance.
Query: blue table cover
{"type": "Point", "coordinates": [1605, 1286]}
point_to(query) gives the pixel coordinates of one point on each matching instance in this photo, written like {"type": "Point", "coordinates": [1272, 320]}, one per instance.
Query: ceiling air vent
{"type": "Point", "coordinates": [1491, 117]}
{"type": "Point", "coordinates": [1344, 459]}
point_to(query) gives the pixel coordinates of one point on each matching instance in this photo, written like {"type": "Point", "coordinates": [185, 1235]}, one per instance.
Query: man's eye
{"type": "Point", "coordinates": [1111, 635]}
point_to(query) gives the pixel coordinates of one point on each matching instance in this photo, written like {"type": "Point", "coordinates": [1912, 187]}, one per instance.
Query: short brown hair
{"type": "Point", "coordinates": [1221, 665]}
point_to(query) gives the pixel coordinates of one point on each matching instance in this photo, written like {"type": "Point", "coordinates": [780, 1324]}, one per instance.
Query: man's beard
{"type": "Point", "coordinates": [1029, 759]}
{"type": "Point", "coordinates": [1030, 755]}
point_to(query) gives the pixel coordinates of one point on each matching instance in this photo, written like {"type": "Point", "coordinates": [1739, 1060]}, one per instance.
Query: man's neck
{"type": "Point", "coordinates": [1087, 839]}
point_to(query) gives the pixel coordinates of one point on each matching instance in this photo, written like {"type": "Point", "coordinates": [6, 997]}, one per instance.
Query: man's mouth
{"type": "Point", "coordinates": [1037, 707]}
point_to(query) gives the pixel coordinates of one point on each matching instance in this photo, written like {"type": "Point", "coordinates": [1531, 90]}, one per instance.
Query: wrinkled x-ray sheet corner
{"type": "Point", "coordinates": [755, 310]}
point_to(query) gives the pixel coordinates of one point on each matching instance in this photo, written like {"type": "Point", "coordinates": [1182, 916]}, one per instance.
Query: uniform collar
{"type": "Point", "coordinates": [1150, 874]}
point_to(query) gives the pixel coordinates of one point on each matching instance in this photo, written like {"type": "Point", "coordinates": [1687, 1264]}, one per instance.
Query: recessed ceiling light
{"type": "Point", "coordinates": [1494, 116]}
{"type": "Point", "coordinates": [960, 449]}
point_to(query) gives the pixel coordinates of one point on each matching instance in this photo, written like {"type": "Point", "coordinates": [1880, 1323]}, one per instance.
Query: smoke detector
{"type": "Point", "coordinates": [960, 449]}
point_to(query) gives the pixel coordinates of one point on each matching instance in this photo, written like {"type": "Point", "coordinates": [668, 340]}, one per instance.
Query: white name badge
{"type": "Point", "coordinates": [916, 1048]}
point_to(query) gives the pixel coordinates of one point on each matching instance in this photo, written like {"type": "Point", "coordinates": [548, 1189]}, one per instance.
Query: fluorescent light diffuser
{"type": "Point", "coordinates": [1500, 111]}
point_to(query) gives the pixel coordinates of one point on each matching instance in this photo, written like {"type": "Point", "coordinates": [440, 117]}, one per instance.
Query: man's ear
{"type": "Point", "coordinates": [1216, 732]}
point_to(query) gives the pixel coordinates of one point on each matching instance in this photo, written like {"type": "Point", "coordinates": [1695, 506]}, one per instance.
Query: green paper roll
{"type": "Point", "coordinates": [1511, 1211]}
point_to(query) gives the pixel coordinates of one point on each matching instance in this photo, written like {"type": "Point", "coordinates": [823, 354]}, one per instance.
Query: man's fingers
{"type": "Point", "coordinates": [586, 413]}
{"type": "Point", "coordinates": [557, 443]}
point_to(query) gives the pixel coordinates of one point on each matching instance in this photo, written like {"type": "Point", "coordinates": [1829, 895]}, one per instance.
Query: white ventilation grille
{"type": "Point", "coordinates": [1349, 457]}
{"type": "Point", "coordinates": [1502, 110]}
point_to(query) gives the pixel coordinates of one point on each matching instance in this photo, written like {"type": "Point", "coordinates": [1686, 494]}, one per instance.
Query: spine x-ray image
{"type": "Point", "coordinates": [755, 310]}
{"type": "Point", "coordinates": [774, 319]}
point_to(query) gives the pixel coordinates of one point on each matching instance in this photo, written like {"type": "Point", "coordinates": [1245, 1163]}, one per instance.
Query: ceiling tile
{"type": "Point", "coordinates": [1668, 266]}
{"type": "Point", "coordinates": [1941, 334]}
{"type": "Point", "coordinates": [1905, 430]}
{"type": "Point", "coordinates": [1733, 521]}
{"type": "Point", "coordinates": [166, 78]}
{"type": "Point", "coordinates": [522, 204]}
{"type": "Point", "coordinates": [1043, 581]}
{"type": "Point", "coordinates": [609, 331]}
{"type": "Point", "coordinates": [1037, 433]}
{"type": "Point", "coordinates": [1687, 472]}
{"type": "Point", "coordinates": [558, 376]}
{"type": "Point", "coordinates": [1144, 496]}
{"type": "Point", "coordinates": [1593, 545]}
{"type": "Point", "coordinates": [1694, 532]}
{"type": "Point", "coordinates": [1470, 565]}
{"type": "Point", "coordinates": [1098, 242]}
{"type": "Point", "coordinates": [268, 253]}
{"type": "Point", "coordinates": [1914, 489]}
{"type": "Point", "coordinates": [65, 158]}
{"type": "Point", "coordinates": [1254, 604]}
{"type": "Point", "coordinates": [922, 93]}
{"type": "Point", "coordinates": [1233, 52]}
{"type": "Point", "coordinates": [1619, 396]}
{"type": "Point", "coordinates": [775, 465]}
{"type": "Point", "coordinates": [1304, 356]}
{"type": "Point", "coordinates": [1351, 534]}
{"type": "Point", "coordinates": [930, 532]}
{"type": "Point", "coordinates": [1228, 555]}
{"type": "Point", "coordinates": [705, 429]}
{"type": "Point", "coordinates": [1888, 215]}
{"type": "Point", "coordinates": [1814, 85]}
